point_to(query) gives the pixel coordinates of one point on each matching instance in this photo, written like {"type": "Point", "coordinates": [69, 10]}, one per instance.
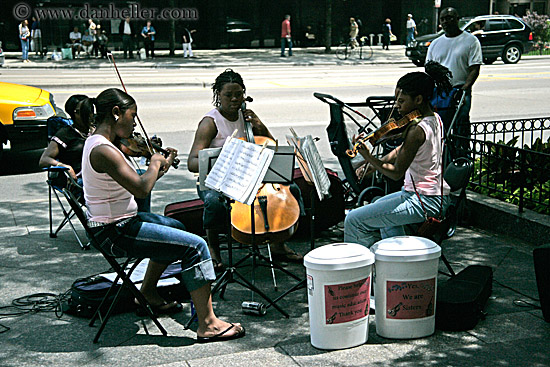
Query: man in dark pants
{"type": "Point", "coordinates": [127, 31]}
{"type": "Point", "coordinates": [460, 52]}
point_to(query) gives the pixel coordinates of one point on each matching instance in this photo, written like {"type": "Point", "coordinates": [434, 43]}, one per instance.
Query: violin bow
{"type": "Point", "coordinates": [111, 58]}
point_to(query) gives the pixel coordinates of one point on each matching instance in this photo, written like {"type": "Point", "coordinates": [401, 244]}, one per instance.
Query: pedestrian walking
{"type": "Point", "coordinates": [411, 29]}
{"type": "Point", "coordinates": [286, 38]}
{"type": "Point", "coordinates": [187, 41]}
{"type": "Point", "coordinates": [93, 32]}
{"type": "Point", "coordinates": [24, 36]}
{"type": "Point", "coordinates": [148, 33]}
{"type": "Point", "coordinates": [461, 53]}
{"type": "Point", "coordinates": [36, 36]}
{"type": "Point", "coordinates": [353, 32]}
{"type": "Point", "coordinates": [387, 34]}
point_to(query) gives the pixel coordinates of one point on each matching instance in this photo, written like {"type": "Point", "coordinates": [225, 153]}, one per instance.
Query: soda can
{"type": "Point", "coordinates": [254, 308]}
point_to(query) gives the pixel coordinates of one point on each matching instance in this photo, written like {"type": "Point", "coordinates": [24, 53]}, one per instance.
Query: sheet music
{"type": "Point", "coordinates": [239, 170]}
{"type": "Point", "coordinates": [310, 163]}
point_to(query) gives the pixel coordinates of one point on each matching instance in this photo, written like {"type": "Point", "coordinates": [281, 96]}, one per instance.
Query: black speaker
{"type": "Point", "coordinates": [541, 256]}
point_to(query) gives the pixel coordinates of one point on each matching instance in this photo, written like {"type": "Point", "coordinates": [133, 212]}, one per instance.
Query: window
{"type": "Point", "coordinates": [515, 24]}
{"type": "Point", "coordinates": [497, 25]}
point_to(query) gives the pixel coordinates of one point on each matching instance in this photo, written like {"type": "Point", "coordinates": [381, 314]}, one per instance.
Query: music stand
{"type": "Point", "coordinates": [279, 171]}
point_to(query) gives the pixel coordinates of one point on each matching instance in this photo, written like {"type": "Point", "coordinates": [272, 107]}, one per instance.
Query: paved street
{"type": "Point", "coordinates": [172, 95]}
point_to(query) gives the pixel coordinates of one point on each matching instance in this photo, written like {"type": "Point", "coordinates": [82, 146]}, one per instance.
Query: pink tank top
{"type": "Point", "coordinates": [107, 201]}
{"type": "Point", "coordinates": [426, 165]}
{"type": "Point", "coordinates": [225, 127]}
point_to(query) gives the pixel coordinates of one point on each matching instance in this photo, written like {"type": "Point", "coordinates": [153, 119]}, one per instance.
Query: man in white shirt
{"type": "Point", "coordinates": [460, 52]}
{"type": "Point", "coordinates": [75, 37]}
{"type": "Point", "coordinates": [411, 28]}
{"type": "Point", "coordinates": [127, 31]}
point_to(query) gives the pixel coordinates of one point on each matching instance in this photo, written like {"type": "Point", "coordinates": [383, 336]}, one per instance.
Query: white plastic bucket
{"type": "Point", "coordinates": [405, 286]}
{"type": "Point", "coordinates": [339, 284]}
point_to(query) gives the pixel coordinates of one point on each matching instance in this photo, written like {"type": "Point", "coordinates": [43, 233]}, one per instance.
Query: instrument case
{"type": "Point", "coordinates": [328, 212]}
{"type": "Point", "coordinates": [189, 213]}
{"type": "Point", "coordinates": [462, 298]}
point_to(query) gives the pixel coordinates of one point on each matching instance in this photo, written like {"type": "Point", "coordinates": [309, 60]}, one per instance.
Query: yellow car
{"type": "Point", "coordinates": [24, 112]}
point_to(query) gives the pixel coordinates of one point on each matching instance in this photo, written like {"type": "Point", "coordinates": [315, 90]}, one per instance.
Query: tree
{"type": "Point", "coordinates": [541, 28]}
{"type": "Point", "coordinates": [328, 25]}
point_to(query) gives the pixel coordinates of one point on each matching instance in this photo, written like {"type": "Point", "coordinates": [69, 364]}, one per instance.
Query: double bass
{"type": "Point", "coordinates": [276, 210]}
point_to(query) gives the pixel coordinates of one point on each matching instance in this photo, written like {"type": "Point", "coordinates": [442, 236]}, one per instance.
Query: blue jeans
{"type": "Point", "coordinates": [387, 216]}
{"type": "Point", "coordinates": [410, 35]}
{"type": "Point", "coordinates": [163, 240]}
{"type": "Point", "coordinates": [284, 42]}
{"type": "Point", "coordinates": [25, 49]}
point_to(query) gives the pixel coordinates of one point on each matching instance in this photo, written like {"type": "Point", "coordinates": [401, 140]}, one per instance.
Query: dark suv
{"type": "Point", "coordinates": [502, 36]}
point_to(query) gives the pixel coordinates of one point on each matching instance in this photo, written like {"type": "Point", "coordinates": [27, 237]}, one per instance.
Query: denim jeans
{"type": "Point", "coordinates": [462, 126]}
{"type": "Point", "coordinates": [284, 42]}
{"type": "Point", "coordinates": [410, 35]}
{"type": "Point", "coordinates": [25, 49]}
{"type": "Point", "coordinates": [162, 240]}
{"type": "Point", "coordinates": [387, 216]}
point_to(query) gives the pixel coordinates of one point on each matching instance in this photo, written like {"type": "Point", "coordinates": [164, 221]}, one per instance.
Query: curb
{"type": "Point", "coordinates": [498, 216]}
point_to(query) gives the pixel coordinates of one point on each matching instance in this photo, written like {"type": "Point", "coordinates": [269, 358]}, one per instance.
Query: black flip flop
{"type": "Point", "coordinates": [220, 336]}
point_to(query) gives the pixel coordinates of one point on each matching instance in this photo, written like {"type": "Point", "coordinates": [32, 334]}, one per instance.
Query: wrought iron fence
{"type": "Point", "coordinates": [511, 161]}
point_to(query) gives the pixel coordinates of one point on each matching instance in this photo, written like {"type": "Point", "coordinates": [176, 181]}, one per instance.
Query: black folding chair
{"type": "Point", "coordinates": [58, 179]}
{"type": "Point", "coordinates": [121, 269]}
{"type": "Point", "coordinates": [457, 175]}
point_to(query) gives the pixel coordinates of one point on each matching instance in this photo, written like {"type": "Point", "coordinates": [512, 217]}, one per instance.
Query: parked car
{"type": "Point", "coordinates": [503, 36]}
{"type": "Point", "coordinates": [238, 33]}
{"type": "Point", "coordinates": [24, 112]}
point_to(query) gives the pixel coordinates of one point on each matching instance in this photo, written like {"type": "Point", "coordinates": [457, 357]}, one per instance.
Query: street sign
{"type": "Point", "coordinates": [438, 3]}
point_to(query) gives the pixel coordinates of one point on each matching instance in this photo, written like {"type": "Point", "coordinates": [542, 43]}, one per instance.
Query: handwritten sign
{"type": "Point", "coordinates": [347, 302]}
{"type": "Point", "coordinates": [407, 300]}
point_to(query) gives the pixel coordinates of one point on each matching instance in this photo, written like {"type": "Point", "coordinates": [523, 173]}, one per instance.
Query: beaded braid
{"type": "Point", "coordinates": [228, 76]}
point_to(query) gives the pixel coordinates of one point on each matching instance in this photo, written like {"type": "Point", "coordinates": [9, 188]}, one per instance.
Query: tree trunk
{"type": "Point", "coordinates": [172, 34]}
{"type": "Point", "coordinates": [328, 25]}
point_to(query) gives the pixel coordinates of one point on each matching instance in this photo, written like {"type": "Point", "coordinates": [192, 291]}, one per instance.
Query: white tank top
{"type": "Point", "coordinates": [426, 165]}
{"type": "Point", "coordinates": [107, 201]}
{"type": "Point", "coordinates": [225, 127]}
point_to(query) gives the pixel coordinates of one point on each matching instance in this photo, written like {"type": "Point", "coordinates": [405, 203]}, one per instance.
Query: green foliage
{"type": "Point", "coordinates": [541, 28]}
{"type": "Point", "coordinates": [498, 174]}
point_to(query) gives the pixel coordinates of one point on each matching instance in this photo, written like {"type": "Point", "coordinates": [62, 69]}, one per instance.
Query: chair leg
{"type": "Point", "coordinates": [447, 264]}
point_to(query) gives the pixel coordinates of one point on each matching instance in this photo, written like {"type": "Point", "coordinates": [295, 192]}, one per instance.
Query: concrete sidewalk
{"type": "Point", "coordinates": [513, 334]}
{"type": "Point", "coordinates": [215, 58]}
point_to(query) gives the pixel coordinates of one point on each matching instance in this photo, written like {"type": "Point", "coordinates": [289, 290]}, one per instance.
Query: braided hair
{"type": "Point", "coordinates": [228, 76]}
{"type": "Point", "coordinates": [424, 83]}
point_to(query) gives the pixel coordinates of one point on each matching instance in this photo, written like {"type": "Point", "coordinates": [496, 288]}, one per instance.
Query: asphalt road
{"type": "Point", "coordinates": [172, 101]}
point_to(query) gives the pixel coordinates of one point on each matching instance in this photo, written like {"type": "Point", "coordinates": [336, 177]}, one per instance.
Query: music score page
{"type": "Point", "coordinates": [239, 170]}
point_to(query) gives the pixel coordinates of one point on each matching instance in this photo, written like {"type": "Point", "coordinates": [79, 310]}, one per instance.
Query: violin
{"type": "Point", "coordinates": [136, 146]}
{"type": "Point", "coordinates": [389, 130]}
{"type": "Point", "coordinates": [276, 210]}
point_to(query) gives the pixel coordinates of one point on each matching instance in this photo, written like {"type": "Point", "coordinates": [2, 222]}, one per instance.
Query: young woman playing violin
{"type": "Point", "coordinates": [229, 94]}
{"type": "Point", "coordinates": [418, 159]}
{"type": "Point", "coordinates": [110, 185]}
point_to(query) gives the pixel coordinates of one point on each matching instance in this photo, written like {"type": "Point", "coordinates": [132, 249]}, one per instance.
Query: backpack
{"type": "Point", "coordinates": [55, 123]}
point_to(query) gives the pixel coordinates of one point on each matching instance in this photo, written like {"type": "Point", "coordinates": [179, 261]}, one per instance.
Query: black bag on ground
{"type": "Point", "coordinates": [461, 299]}
{"type": "Point", "coordinates": [86, 294]}
{"type": "Point", "coordinates": [328, 212]}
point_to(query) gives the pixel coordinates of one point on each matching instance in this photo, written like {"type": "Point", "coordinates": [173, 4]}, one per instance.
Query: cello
{"type": "Point", "coordinates": [276, 210]}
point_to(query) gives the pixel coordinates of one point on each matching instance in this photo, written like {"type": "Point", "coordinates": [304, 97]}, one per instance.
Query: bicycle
{"type": "Point", "coordinates": [348, 49]}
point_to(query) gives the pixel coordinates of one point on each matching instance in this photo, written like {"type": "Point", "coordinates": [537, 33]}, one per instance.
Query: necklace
{"type": "Point", "coordinates": [80, 132]}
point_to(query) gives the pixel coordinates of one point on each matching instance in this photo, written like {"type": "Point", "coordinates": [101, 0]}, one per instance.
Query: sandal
{"type": "Point", "coordinates": [219, 267]}
{"type": "Point", "coordinates": [221, 336]}
{"type": "Point", "coordinates": [290, 257]}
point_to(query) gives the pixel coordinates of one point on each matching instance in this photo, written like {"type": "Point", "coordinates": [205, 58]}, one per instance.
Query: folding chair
{"type": "Point", "coordinates": [58, 179]}
{"type": "Point", "coordinates": [457, 175]}
{"type": "Point", "coordinates": [121, 269]}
